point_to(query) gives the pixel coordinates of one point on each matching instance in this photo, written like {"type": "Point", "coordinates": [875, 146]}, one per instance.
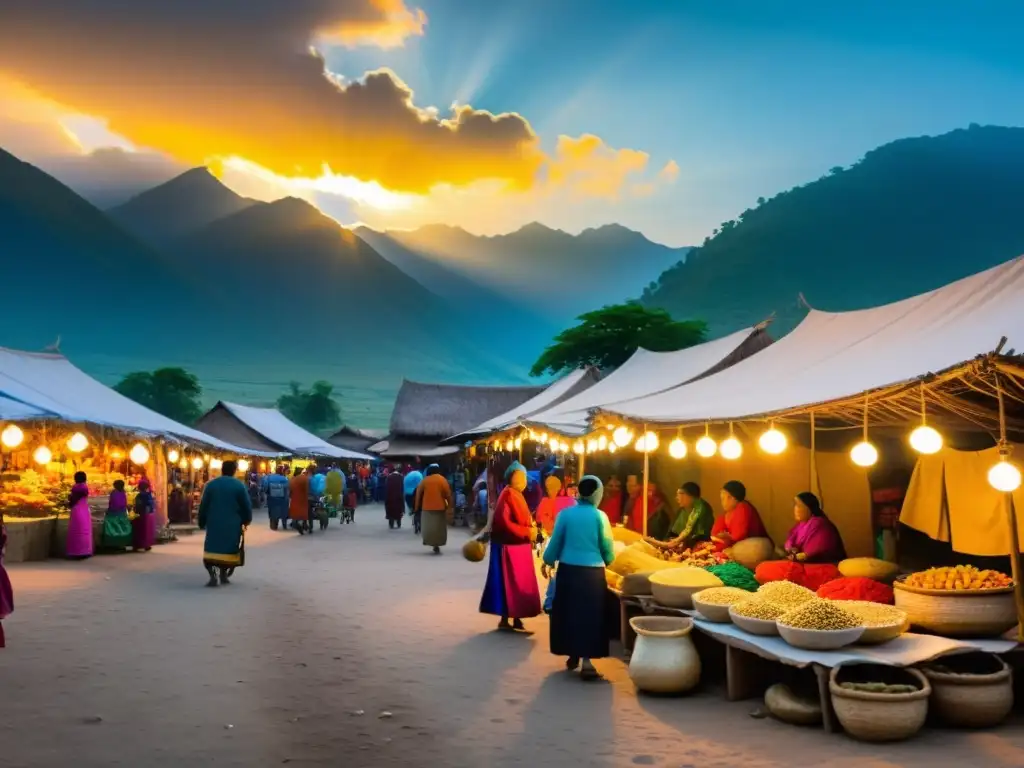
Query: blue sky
{"type": "Point", "coordinates": [748, 97]}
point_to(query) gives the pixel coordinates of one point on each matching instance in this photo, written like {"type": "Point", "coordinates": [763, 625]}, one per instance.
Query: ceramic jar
{"type": "Point", "coordinates": [664, 658]}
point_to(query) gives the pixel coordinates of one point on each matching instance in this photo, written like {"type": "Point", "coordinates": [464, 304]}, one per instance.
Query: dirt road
{"type": "Point", "coordinates": [354, 648]}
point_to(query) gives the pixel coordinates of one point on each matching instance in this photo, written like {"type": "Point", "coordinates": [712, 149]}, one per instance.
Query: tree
{"type": "Point", "coordinates": [173, 392]}
{"type": "Point", "coordinates": [314, 409]}
{"type": "Point", "coordinates": [607, 337]}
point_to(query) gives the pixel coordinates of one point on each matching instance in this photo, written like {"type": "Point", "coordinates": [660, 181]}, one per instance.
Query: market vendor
{"type": "Point", "coordinates": [695, 519]}
{"type": "Point", "coordinates": [740, 519]}
{"type": "Point", "coordinates": [658, 521]}
{"type": "Point", "coordinates": [814, 538]}
{"type": "Point", "coordinates": [612, 502]}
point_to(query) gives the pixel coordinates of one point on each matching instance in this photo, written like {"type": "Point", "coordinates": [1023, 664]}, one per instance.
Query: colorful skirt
{"type": "Point", "coordinates": [144, 531]}
{"type": "Point", "coordinates": [226, 559]}
{"type": "Point", "coordinates": [434, 528]}
{"type": "Point", "coordinates": [511, 590]}
{"type": "Point", "coordinates": [79, 542]}
{"type": "Point", "coordinates": [117, 531]}
{"type": "Point", "coordinates": [578, 617]}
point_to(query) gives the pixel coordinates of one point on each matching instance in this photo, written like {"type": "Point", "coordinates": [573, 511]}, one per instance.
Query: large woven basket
{"type": "Point", "coordinates": [972, 700]}
{"type": "Point", "coordinates": [880, 717]}
{"type": "Point", "coordinates": [963, 613]}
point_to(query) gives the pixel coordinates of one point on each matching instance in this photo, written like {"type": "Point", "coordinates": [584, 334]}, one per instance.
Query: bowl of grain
{"type": "Point", "coordinates": [882, 623]}
{"type": "Point", "coordinates": [785, 593]}
{"type": "Point", "coordinates": [756, 616]}
{"type": "Point", "coordinates": [819, 625]}
{"type": "Point", "coordinates": [714, 603]}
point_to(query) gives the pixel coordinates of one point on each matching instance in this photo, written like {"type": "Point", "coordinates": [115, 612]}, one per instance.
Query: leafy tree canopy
{"type": "Point", "coordinates": [314, 409]}
{"type": "Point", "coordinates": [607, 337]}
{"type": "Point", "coordinates": [173, 392]}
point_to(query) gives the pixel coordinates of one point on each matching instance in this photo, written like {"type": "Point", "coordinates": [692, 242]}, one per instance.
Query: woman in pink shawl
{"type": "Point", "coordinates": [814, 538]}
{"type": "Point", "coordinates": [6, 592]}
{"type": "Point", "coordinates": [144, 524]}
{"type": "Point", "coordinates": [79, 544]}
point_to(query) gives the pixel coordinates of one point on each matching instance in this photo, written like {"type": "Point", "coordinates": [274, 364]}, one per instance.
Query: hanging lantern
{"type": "Point", "coordinates": [243, 465]}
{"type": "Point", "coordinates": [183, 464]}
{"type": "Point", "coordinates": [197, 463]}
{"type": "Point", "coordinates": [563, 447]}
{"type": "Point", "coordinates": [677, 449]}
{"type": "Point", "coordinates": [553, 444]}
{"type": "Point", "coordinates": [510, 445]}
{"type": "Point", "coordinates": [1004, 476]}
{"type": "Point", "coordinates": [78, 442]}
{"type": "Point", "coordinates": [591, 445]}
{"type": "Point", "coordinates": [612, 448]}
{"type": "Point", "coordinates": [579, 448]}
{"type": "Point", "coordinates": [216, 464]}
{"type": "Point", "coordinates": [622, 436]}
{"type": "Point", "coordinates": [864, 454]}
{"type": "Point", "coordinates": [139, 454]}
{"type": "Point", "coordinates": [731, 448]}
{"type": "Point", "coordinates": [542, 438]}
{"type": "Point", "coordinates": [517, 443]}
{"type": "Point", "coordinates": [42, 455]}
{"type": "Point", "coordinates": [12, 436]}
{"type": "Point", "coordinates": [172, 456]}
{"type": "Point", "coordinates": [926, 440]}
{"type": "Point", "coordinates": [706, 447]}
{"type": "Point", "coordinates": [602, 443]}
{"type": "Point", "coordinates": [772, 441]}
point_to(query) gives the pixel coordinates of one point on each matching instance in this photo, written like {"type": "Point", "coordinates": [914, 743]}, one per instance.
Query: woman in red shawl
{"type": "Point", "coordinates": [740, 519]}
{"type": "Point", "coordinates": [635, 508]}
{"type": "Point", "coordinates": [511, 591]}
{"type": "Point", "coordinates": [612, 501]}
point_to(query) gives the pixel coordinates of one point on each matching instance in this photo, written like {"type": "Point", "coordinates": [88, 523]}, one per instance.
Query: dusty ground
{"type": "Point", "coordinates": [128, 660]}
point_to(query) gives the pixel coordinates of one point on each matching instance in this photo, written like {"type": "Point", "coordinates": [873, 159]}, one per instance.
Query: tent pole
{"type": "Point", "coordinates": [647, 471]}
{"type": "Point", "coordinates": [583, 465]}
{"type": "Point", "coordinates": [815, 489]}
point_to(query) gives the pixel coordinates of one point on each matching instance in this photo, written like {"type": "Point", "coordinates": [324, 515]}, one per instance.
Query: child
{"type": "Point", "coordinates": [117, 528]}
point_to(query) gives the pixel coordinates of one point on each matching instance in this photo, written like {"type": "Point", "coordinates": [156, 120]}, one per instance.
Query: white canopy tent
{"type": "Point", "coordinates": [43, 384]}
{"type": "Point", "coordinates": [835, 355]}
{"type": "Point", "coordinates": [644, 373]}
{"type": "Point", "coordinates": [279, 429]}
{"type": "Point", "coordinates": [569, 386]}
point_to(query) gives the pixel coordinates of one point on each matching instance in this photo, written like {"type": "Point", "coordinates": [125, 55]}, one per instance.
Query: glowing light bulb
{"type": "Point", "coordinates": [183, 464]}
{"type": "Point", "coordinates": [42, 455]}
{"type": "Point", "coordinates": [518, 443]}
{"type": "Point", "coordinates": [173, 456]}
{"type": "Point", "coordinates": [243, 465]}
{"type": "Point", "coordinates": [864, 454]}
{"type": "Point", "coordinates": [12, 436]}
{"type": "Point", "coordinates": [263, 466]}
{"type": "Point", "coordinates": [510, 445]}
{"type": "Point", "coordinates": [1004, 477]}
{"type": "Point", "coordinates": [216, 464]}
{"type": "Point", "coordinates": [926, 440]}
{"type": "Point", "coordinates": [602, 443]}
{"type": "Point", "coordinates": [578, 447]}
{"type": "Point", "coordinates": [612, 448]}
{"type": "Point", "coordinates": [772, 441]}
{"type": "Point", "coordinates": [622, 436]}
{"type": "Point", "coordinates": [139, 454]}
{"type": "Point", "coordinates": [731, 448]}
{"type": "Point", "coordinates": [542, 437]}
{"type": "Point", "coordinates": [197, 463]}
{"type": "Point", "coordinates": [591, 445]}
{"type": "Point", "coordinates": [563, 447]}
{"type": "Point", "coordinates": [640, 445]}
{"type": "Point", "coordinates": [706, 447]}
{"type": "Point", "coordinates": [78, 442]}
{"type": "Point", "coordinates": [553, 444]}
{"type": "Point", "coordinates": [677, 449]}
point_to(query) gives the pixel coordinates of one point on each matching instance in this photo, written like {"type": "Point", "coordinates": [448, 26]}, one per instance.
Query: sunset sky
{"type": "Point", "coordinates": [668, 117]}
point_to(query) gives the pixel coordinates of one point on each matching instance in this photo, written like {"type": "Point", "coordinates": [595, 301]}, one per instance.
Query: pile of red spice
{"type": "Point", "coordinates": [857, 588]}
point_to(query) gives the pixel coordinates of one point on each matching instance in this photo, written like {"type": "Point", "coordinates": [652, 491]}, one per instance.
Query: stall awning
{"type": "Point", "coordinates": [647, 372]}
{"type": "Point", "coordinates": [51, 384]}
{"type": "Point", "coordinates": [835, 355]}
{"type": "Point", "coordinates": [12, 410]}
{"type": "Point", "coordinates": [568, 386]}
{"type": "Point", "coordinates": [411, 448]}
{"type": "Point", "coordinates": [277, 429]}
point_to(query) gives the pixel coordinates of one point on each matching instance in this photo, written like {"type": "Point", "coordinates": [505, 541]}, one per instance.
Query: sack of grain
{"type": "Point", "coordinates": [645, 548]}
{"type": "Point", "coordinates": [625, 535]}
{"type": "Point", "coordinates": [635, 561]}
{"type": "Point", "coordinates": [870, 568]}
{"type": "Point", "coordinates": [782, 703]}
{"type": "Point", "coordinates": [750, 553]}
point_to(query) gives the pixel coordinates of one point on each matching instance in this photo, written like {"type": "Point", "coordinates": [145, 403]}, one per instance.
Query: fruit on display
{"type": "Point", "coordinates": [958, 578]}
{"type": "Point", "coordinates": [869, 568]}
{"type": "Point", "coordinates": [785, 593]}
{"type": "Point", "coordinates": [698, 556]}
{"type": "Point", "coordinates": [723, 595]}
{"type": "Point", "coordinates": [756, 608]}
{"type": "Point", "coordinates": [820, 615]}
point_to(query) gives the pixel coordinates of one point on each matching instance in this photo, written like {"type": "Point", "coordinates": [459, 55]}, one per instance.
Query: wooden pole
{"type": "Point", "coordinates": [1011, 521]}
{"type": "Point", "coordinates": [815, 489]}
{"type": "Point", "coordinates": [647, 471]}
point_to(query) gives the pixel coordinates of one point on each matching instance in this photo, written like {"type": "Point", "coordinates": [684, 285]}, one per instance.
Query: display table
{"type": "Point", "coordinates": [742, 650]}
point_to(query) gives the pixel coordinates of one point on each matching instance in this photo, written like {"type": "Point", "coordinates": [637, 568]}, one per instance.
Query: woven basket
{"type": "Point", "coordinates": [880, 717]}
{"type": "Point", "coordinates": [972, 701]}
{"type": "Point", "coordinates": [963, 613]}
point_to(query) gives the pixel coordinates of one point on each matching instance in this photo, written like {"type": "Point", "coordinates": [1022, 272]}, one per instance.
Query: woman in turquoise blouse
{"type": "Point", "coordinates": [581, 545]}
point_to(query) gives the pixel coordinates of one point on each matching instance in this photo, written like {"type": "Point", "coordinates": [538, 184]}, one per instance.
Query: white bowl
{"type": "Point", "coordinates": [712, 611]}
{"type": "Point", "coordinates": [819, 639]}
{"type": "Point", "coordinates": [754, 626]}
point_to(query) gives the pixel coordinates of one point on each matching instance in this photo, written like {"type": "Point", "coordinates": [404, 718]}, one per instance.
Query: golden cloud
{"type": "Point", "coordinates": [200, 81]}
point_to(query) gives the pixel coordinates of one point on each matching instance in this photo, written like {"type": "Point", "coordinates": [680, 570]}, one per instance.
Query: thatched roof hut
{"type": "Point", "coordinates": [354, 439]}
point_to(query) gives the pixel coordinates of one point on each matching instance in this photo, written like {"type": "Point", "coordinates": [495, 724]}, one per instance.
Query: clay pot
{"type": "Point", "coordinates": [664, 659]}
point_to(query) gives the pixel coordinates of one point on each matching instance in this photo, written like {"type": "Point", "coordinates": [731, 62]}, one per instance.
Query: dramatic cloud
{"type": "Point", "coordinates": [206, 78]}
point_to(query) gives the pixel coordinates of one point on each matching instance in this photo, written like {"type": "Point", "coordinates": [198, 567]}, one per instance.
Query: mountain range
{"type": "Point", "coordinates": [251, 295]}
{"type": "Point", "coordinates": [911, 216]}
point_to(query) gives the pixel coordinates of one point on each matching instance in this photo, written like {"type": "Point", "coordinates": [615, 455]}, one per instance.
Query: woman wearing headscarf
{"type": "Point", "coordinates": [582, 546]}
{"type": "Point", "coordinates": [739, 521]}
{"type": "Point", "coordinates": [394, 499]}
{"type": "Point", "coordinates": [612, 501]}
{"type": "Point", "coordinates": [144, 524]}
{"type": "Point", "coordinates": [79, 543]}
{"type": "Point", "coordinates": [814, 538]}
{"type": "Point", "coordinates": [511, 591]}
{"type": "Point", "coordinates": [433, 498]}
